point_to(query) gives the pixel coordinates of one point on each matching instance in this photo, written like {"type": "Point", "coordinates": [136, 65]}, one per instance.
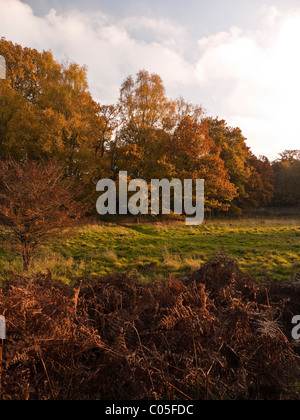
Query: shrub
{"type": "Point", "coordinates": [36, 203]}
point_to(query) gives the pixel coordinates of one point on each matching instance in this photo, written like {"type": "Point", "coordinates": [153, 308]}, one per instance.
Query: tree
{"type": "Point", "coordinates": [235, 154]}
{"type": "Point", "coordinates": [195, 155]}
{"type": "Point", "coordinates": [47, 112]}
{"type": "Point", "coordinates": [289, 156]}
{"type": "Point", "coordinates": [163, 138]}
{"type": "Point", "coordinates": [145, 119]}
{"type": "Point", "coordinates": [36, 204]}
{"type": "Point", "coordinates": [260, 185]}
{"type": "Point", "coordinates": [287, 175]}
{"type": "Point", "coordinates": [144, 104]}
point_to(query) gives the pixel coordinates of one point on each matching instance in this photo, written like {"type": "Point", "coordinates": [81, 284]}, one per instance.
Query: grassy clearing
{"type": "Point", "coordinates": [154, 251]}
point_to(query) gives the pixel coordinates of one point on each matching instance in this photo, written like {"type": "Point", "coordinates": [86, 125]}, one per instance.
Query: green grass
{"type": "Point", "coordinates": [155, 251]}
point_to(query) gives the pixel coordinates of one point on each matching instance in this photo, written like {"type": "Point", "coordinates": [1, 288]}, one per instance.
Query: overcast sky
{"type": "Point", "coordinates": [240, 59]}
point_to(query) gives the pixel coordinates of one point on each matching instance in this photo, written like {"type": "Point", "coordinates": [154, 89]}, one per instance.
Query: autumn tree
{"type": "Point", "coordinates": [147, 119]}
{"type": "Point", "coordinates": [163, 138]}
{"type": "Point", "coordinates": [260, 185]}
{"type": "Point", "coordinates": [143, 104]}
{"type": "Point", "coordinates": [36, 204]}
{"type": "Point", "coordinates": [195, 155]}
{"type": "Point", "coordinates": [47, 112]}
{"type": "Point", "coordinates": [235, 154]}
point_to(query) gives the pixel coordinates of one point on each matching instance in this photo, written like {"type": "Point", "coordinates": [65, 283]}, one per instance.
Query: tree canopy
{"type": "Point", "coordinates": [47, 112]}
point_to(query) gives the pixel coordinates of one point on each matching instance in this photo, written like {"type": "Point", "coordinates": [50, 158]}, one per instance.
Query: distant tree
{"type": "Point", "coordinates": [260, 185]}
{"type": "Point", "coordinates": [287, 175]}
{"type": "Point", "coordinates": [289, 156]}
{"type": "Point", "coordinates": [35, 204]}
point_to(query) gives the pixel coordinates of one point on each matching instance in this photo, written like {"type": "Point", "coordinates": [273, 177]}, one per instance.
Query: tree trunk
{"type": "Point", "coordinates": [27, 258]}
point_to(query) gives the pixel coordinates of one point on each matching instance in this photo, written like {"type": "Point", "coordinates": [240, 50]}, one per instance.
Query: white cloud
{"type": "Point", "coordinates": [249, 78]}
{"type": "Point", "coordinates": [104, 44]}
{"type": "Point", "coordinates": [262, 69]}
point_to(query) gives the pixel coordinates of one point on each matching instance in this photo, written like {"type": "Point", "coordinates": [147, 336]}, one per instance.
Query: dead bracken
{"type": "Point", "coordinates": [212, 335]}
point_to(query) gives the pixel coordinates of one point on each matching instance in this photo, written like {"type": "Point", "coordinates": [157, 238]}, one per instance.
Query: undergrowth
{"type": "Point", "coordinates": [213, 334]}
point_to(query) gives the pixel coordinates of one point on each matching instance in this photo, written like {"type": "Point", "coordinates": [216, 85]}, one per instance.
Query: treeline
{"type": "Point", "coordinates": [287, 176]}
{"type": "Point", "coordinates": [47, 112]}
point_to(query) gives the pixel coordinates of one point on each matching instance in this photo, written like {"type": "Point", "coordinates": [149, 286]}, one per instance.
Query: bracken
{"type": "Point", "coordinates": [212, 335]}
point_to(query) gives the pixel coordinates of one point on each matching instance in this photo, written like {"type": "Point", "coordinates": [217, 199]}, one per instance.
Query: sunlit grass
{"type": "Point", "coordinates": [155, 251]}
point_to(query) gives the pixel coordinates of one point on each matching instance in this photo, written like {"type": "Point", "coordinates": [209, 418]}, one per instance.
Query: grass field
{"type": "Point", "coordinates": [155, 251]}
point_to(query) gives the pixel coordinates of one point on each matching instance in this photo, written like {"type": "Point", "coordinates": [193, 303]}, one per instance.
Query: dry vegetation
{"type": "Point", "coordinates": [208, 334]}
{"type": "Point", "coordinates": [211, 335]}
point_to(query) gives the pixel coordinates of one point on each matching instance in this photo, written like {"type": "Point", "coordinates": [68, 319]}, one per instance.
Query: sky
{"type": "Point", "coordinates": [239, 59]}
